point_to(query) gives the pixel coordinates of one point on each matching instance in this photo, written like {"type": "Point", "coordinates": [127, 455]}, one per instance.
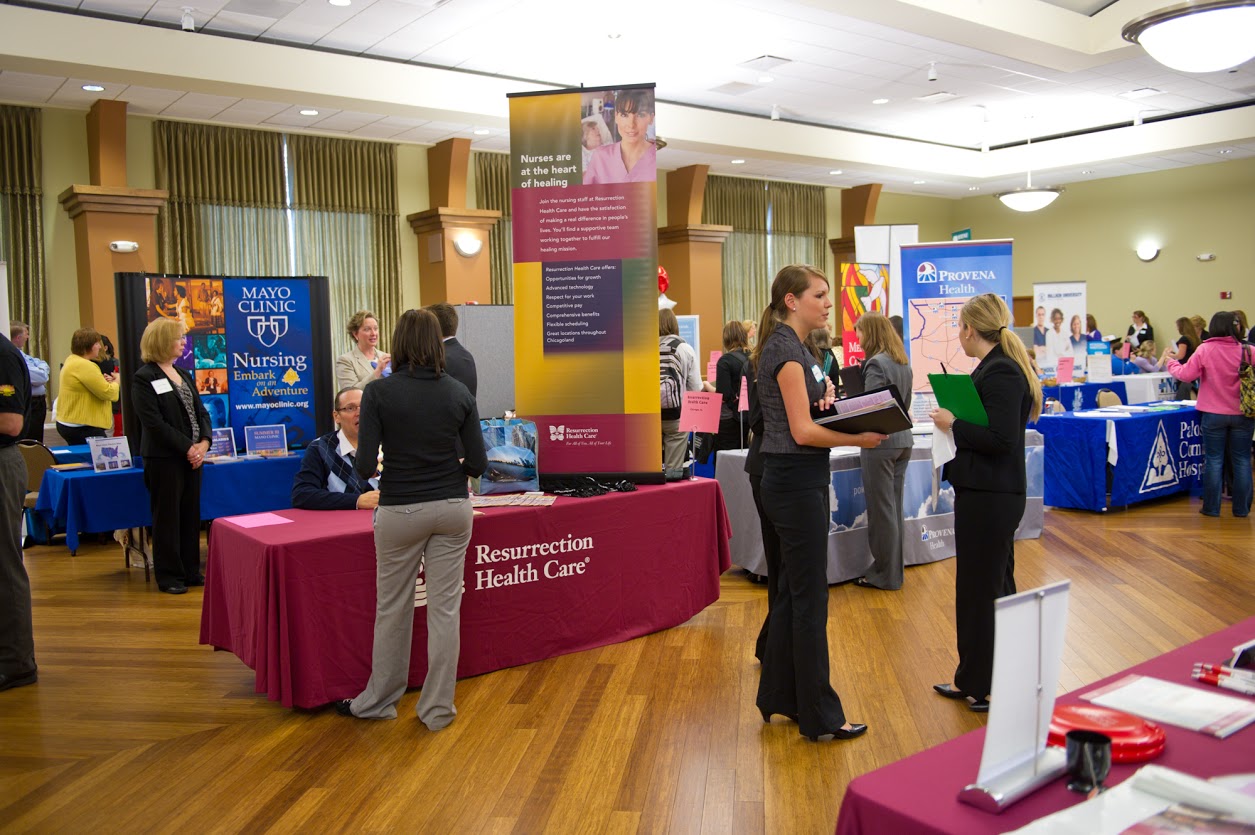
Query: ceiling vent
{"type": "Point", "coordinates": [937, 97]}
{"type": "Point", "coordinates": [734, 88]}
{"type": "Point", "coordinates": [766, 62]}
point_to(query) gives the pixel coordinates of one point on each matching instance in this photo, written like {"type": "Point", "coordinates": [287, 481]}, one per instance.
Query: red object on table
{"type": "Point", "coordinates": [1133, 739]}
{"type": "Point", "coordinates": [296, 602]}
{"type": "Point", "coordinates": [920, 793]}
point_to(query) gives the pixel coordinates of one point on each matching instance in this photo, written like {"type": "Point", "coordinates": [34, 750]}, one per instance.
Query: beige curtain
{"type": "Point", "coordinates": [229, 168]}
{"type": "Point", "coordinates": [344, 198]}
{"type": "Point", "coordinates": [741, 204]}
{"type": "Point", "coordinates": [22, 235]}
{"type": "Point", "coordinates": [492, 191]}
{"type": "Point", "coordinates": [799, 225]}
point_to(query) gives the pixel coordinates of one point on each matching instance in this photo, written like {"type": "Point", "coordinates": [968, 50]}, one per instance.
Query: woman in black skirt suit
{"type": "Point", "coordinates": [989, 488]}
{"type": "Point", "coordinates": [175, 436]}
{"type": "Point", "coordinates": [795, 483]}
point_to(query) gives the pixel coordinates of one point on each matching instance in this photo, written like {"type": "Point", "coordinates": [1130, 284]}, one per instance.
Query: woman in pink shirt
{"type": "Point", "coordinates": [634, 158]}
{"type": "Point", "coordinates": [1215, 364]}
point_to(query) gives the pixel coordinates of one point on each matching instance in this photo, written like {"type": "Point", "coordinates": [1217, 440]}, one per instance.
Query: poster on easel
{"type": "Point", "coordinates": [584, 203]}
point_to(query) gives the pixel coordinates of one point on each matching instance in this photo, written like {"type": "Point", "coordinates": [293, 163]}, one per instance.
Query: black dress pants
{"type": "Point", "coordinates": [771, 553]}
{"type": "Point", "coordinates": [795, 662]}
{"type": "Point", "coordinates": [984, 538]}
{"type": "Point", "coordinates": [33, 429]}
{"type": "Point", "coordinates": [174, 492]}
{"type": "Point", "coordinates": [76, 435]}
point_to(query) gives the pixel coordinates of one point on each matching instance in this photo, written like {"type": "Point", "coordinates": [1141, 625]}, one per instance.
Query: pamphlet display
{"type": "Point", "coordinates": [266, 440]}
{"type": "Point", "coordinates": [110, 454]}
{"type": "Point", "coordinates": [222, 444]}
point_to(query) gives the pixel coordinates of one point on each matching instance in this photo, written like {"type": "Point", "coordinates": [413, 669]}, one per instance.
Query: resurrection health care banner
{"type": "Point", "coordinates": [937, 280]}
{"type": "Point", "coordinates": [585, 203]}
{"type": "Point", "coordinates": [257, 348]}
{"type": "Point", "coordinates": [864, 287]}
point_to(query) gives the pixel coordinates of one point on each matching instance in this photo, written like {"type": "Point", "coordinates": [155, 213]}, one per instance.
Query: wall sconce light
{"type": "Point", "coordinates": [124, 246]}
{"type": "Point", "coordinates": [467, 245]}
{"type": "Point", "coordinates": [1147, 251]}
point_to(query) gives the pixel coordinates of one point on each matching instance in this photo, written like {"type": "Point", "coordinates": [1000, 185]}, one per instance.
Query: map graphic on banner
{"type": "Point", "coordinates": [583, 178]}
{"type": "Point", "coordinates": [864, 287]}
{"type": "Point", "coordinates": [249, 348]}
{"type": "Point", "coordinates": [937, 280]}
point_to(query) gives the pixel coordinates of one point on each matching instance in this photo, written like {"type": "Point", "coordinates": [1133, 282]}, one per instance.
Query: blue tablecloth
{"type": "Point", "coordinates": [84, 500]}
{"type": "Point", "coordinates": [1157, 454]}
{"type": "Point", "coordinates": [1077, 396]}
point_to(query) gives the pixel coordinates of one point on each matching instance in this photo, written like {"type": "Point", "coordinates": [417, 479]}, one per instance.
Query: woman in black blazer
{"type": "Point", "coordinates": [989, 488]}
{"type": "Point", "coordinates": [175, 436]}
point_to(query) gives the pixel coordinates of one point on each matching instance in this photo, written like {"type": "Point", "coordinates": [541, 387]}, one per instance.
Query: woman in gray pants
{"type": "Point", "coordinates": [884, 468]}
{"type": "Point", "coordinates": [423, 518]}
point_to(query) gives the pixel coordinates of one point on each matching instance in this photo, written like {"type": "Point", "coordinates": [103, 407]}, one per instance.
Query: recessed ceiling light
{"type": "Point", "coordinates": [738, 162]}
{"type": "Point", "coordinates": [920, 182]}
{"type": "Point", "coordinates": [836, 172]}
{"type": "Point", "coordinates": [340, 2]}
{"type": "Point", "coordinates": [1088, 171]}
{"type": "Point", "coordinates": [880, 101]}
{"type": "Point", "coordinates": [93, 88]}
{"type": "Point", "coordinates": [309, 112]}
{"type": "Point", "coordinates": [973, 188]}
{"type": "Point", "coordinates": [614, 36]}
{"type": "Point", "coordinates": [482, 132]}
{"type": "Point", "coordinates": [1225, 151]}
{"type": "Point", "coordinates": [765, 79]}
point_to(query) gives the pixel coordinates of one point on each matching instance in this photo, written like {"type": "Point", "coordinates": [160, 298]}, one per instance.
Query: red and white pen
{"type": "Point", "coordinates": [1221, 670]}
{"type": "Point", "coordinates": [1227, 682]}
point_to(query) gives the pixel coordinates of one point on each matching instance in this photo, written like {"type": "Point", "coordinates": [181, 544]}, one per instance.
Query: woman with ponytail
{"type": "Point", "coordinates": [795, 480]}
{"type": "Point", "coordinates": [989, 488]}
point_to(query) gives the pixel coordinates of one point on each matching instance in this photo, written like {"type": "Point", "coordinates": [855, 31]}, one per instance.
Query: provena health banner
{"type": "Point", "coordinates": [584, 201]}
{"type": "Point", "coordinates": [937, 280]}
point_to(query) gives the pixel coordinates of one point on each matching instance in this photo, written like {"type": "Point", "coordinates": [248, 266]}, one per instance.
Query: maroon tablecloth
{"type": "Point", "coordinates": [920, 794]}
{"type": "Point", "coordinates": [296, 602]}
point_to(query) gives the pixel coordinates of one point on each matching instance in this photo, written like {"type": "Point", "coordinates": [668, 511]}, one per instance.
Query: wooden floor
{"type": "Point", "coordinates": [135, 727]}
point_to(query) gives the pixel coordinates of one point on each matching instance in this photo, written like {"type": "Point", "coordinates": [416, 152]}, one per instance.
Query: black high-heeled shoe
{"type": "Point", "coordinates": [856, 729]}
{"type": "Point", "coordinates": [767, 714]}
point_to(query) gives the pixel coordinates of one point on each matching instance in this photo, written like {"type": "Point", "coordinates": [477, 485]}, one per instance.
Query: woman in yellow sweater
{"type": "Point", "coordinates": [84, 403]}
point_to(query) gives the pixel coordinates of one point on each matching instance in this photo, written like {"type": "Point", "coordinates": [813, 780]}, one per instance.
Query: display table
{"type": "Point", "coordinates": [296, 602]}
{"type": "Point", "coordinates": [920, 793]}
{"type": "Point", "coordinates": [929, 510]}
{"type": "Point", "coordinates": [1076, 396]}
{"type": "Point", "coordinates": [88, 501]}
{"type": "Point", "coordinates": [1152, 454]}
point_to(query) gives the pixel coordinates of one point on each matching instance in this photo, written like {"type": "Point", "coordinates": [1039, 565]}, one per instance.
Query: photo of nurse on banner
{"type": "Point", "coordinates": [618, 136]}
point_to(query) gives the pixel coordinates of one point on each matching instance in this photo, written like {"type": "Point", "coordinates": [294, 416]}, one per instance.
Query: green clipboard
{"type": "Point", "coordinates": [957, 393]}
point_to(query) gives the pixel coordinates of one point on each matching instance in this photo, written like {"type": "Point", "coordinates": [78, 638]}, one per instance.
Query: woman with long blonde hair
{"type": "Point", "coordinates": [795, 681]}
{"type": "Point", "coordinates": [990, 488]}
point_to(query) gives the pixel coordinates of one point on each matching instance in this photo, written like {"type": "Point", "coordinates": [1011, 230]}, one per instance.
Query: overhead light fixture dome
{"type": "Point", "coordinates": [1198, 35]}
{"type": "Point", "coordinates": [1029, 199]}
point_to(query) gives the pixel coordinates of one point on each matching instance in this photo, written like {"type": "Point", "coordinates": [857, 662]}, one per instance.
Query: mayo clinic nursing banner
{"type": "Point", "coordinates": [258, 349]}
{"type": "Point", "coordinates": [937, 280]}
{"type": "Point", "coordinates": [584, 200]}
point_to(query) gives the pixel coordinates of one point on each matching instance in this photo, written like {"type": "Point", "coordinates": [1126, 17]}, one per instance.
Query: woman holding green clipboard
{"type": "Point", "coordinates": [989, 487]}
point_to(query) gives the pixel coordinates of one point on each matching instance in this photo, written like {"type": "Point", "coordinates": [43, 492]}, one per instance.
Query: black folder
{"type": "Point", "coordinates": [886, 417]}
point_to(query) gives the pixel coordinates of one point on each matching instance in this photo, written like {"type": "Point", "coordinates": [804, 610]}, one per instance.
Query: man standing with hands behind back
{"type": "Point", "coordinates": [20, 333]}
{"type": "Point", "coordinates": [327, 480]}
{"type": "Point", "coordinates": [17, 639]}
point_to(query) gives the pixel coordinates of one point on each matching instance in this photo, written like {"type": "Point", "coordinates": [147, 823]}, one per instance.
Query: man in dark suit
{"type": "Point", "coordinates": [457, 360]}
{"type": "Point", "coordinates": [327, 480]}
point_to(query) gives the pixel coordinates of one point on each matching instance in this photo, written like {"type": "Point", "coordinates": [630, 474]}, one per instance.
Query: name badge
{"type": "Point", "coordinates": [819, 375]}
{"type": "Point", "coordinates": [162, 386]}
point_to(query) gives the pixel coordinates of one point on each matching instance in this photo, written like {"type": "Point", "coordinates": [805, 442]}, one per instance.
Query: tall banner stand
{"type": "Point", "coordinates": [1028, 650]}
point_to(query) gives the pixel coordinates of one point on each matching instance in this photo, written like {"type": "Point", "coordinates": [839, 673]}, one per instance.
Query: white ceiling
{"type": "Point", "coordinates": [1012, 69]}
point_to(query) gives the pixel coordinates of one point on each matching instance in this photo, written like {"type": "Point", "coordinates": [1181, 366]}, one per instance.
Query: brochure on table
{"type": "Point", "coordinates": [266, 440]}
{"type": "Point", "coordinates": [222, 445]}
{"type": "Point", "coordinates": [110, 454]}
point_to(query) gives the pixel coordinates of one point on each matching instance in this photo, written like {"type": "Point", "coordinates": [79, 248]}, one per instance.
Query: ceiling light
{"type": "Point", "coordinates": [880, 101]}
{"type": "Point", "coordinates": [738, 162]}
{"type": "Point", "coordinates": [340, 2]}
{"type": "Point", "coordinates": [186, 22]}
{"type": "Point", "coordinates": [932, 70]}
{"type": "Point", "coordinates": [1225, 151]}
{"type": "Point", "coordinates": [775, 113]}
{"type": "Point", "coordinates": [309, 112]}
{"type": "Point", "coordinates": [836, 172]}
{"type": "Point", "coordinates": [614, 36]}
{"type": "Point", "coordinates": [1147, 251]}
{"type": "Point", "coordinates": [973, 188]}
{"type": "Point", "coordinates": [482, 132]}
{"type": "Point", "coordinates": [1197, 36]}
{"type": "Point", "coordinates": [93, 88]}
{"type": "Point", "coordinates": [920, 182]}
{"type": "Point", "coordinates": [1088, 171]}
{"type": "Point", "coordinates": [765, 79]}
{"type": "Point", "coordinates": [1029, 199]}
{"type": "Point", "coordinates": [467, 244]}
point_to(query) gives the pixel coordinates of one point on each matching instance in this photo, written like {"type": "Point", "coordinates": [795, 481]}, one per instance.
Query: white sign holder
{"type": "Point", "coordinates": [1028, 651]}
